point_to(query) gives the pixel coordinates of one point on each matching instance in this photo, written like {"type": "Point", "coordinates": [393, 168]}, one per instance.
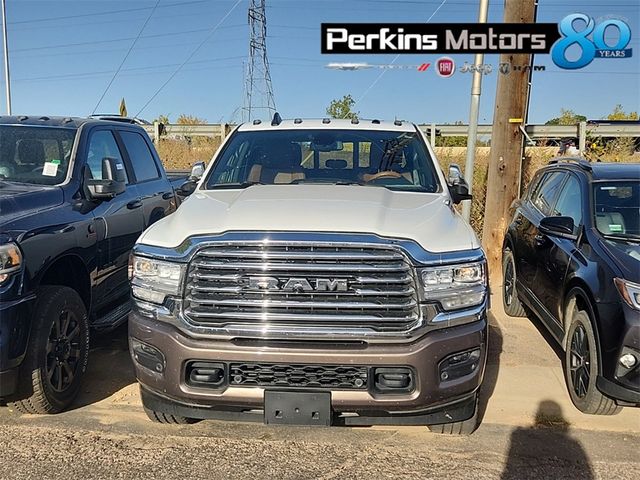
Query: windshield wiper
{"type": "Point", "coordinates": [623, 238]}
{"type": "Point", "coordinates": [321, 181]}
{"type": "Point", "coordinates": [234, 185]}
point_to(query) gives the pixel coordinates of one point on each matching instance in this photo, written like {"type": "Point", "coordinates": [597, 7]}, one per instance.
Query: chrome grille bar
{"type": "Point", "coordinates": [334, 285]}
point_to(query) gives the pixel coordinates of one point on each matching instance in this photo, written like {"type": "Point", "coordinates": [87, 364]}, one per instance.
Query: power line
{"type": "Point", "coordinates": [215, 28]}
{"type": "Point", "coordinates": [115, 40]}
{"type": "Point", "coordinates": [115, 74]}
{"type": "Point", "coordinates": [395, 59]}
{"type": "Point", "coordinates": [111, 12]}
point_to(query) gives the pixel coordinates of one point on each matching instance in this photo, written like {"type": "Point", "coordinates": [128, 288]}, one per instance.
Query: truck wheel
{"type": "Point", "coordinates": [581, 368]}
{"type": "Point", "coordinates": [57, 352]}
{"type": "Point", "coordinates": [159, 417]}
{"type": "Point", "coordinates": [510, 300]}
{"type": "Point", "coordinates": [465, 427]}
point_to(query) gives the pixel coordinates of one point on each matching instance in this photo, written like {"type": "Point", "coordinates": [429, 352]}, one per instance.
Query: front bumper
{"type": "Point", "coordinates": [445, 400]}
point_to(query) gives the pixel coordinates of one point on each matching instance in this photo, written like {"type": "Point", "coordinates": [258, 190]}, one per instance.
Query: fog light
{"type": "Point", "coordinates": [628, 360]}
{"type": "Point", "coordinates": [459, 364]}
{"type": "Point", "coordinates": [148, 356]}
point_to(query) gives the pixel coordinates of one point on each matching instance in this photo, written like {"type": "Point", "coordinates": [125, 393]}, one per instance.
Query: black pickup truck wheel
{"type": "Point", "coordinates": [57, 352]}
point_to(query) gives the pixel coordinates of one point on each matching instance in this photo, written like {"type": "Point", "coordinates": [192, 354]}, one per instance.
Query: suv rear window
{"type": "Point", "coordinates": [396, 160]}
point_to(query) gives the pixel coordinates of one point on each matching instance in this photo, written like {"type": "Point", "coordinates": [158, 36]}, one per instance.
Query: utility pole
{"type": "Point", "coordinates": [7, 78]}
{"type": "Point", "coordinates": [505, 160]}
{"type": "Point", "coordinates": [476, 90]}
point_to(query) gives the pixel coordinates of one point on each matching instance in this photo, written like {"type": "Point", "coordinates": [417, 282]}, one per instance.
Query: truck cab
{"type": "Point", "coordinates": [75, 194]}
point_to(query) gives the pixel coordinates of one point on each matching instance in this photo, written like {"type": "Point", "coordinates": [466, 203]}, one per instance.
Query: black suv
{"type": "Point", "coordinates": [571, 256]}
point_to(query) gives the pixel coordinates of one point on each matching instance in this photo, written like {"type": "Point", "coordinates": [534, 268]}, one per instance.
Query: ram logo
{"type": "Point", "coordinates": [296, 285]}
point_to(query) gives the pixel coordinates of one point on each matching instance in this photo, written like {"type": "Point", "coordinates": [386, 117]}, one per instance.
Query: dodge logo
{"type": "Point", "coordinates": [297, 285]}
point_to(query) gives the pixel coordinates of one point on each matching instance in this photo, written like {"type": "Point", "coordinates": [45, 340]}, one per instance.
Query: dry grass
{"type": "Point", "coordinates": [181, 154]}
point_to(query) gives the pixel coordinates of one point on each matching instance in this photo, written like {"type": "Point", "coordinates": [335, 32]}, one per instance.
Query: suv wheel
{"type": "Point", "coordinates": [581, 367]}
{"type": "Point", "coordinates": [57, 352]}
{"type": "Point", "coordinates": [159, 417]}
{"type": "Point", "coordinates": [510, 300]}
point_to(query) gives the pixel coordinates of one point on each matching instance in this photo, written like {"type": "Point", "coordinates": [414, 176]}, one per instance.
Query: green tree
{"type": "Point", "coordinates": [567, 117]}
{"type": "Point", "coordinates": [342, 108]}
{"type": "Point", "coordinates": [619, 114]}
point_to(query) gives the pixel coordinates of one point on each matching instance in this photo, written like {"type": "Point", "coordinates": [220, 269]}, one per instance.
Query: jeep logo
{"type": "Point", "coordinates": [297, 285]}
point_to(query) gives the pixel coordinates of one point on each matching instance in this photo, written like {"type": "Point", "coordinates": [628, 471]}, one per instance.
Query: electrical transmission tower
{"type": "Point", "coordinates": [258, 98]}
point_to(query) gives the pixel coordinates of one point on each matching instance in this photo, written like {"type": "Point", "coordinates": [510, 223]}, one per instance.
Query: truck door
{"type": "Point", "coordinates": [119, 222]}
{"type": "Point", "coordinates": [155, 191]}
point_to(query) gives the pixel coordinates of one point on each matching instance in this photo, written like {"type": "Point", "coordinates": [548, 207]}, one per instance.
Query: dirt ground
{"type": "Point", "coordinates": [529, 430]}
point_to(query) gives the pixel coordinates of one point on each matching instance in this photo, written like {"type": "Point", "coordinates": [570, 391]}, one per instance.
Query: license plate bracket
{"type": "Point", "coordinates": [297, 408]}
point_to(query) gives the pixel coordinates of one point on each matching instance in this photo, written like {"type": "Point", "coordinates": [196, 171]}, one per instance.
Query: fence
{"type": "Point", "coordinates": [534, 132]}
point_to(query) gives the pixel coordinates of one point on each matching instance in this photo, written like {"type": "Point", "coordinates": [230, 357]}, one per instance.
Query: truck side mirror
{"type": "Point", "coordinates": [197, 170]}
{"type": "Point", "coordinates": [113, 180]}
{"type": "Point", "coordinates": [187, 188]}
{"type": "Point", "coordinates": [458, 187]}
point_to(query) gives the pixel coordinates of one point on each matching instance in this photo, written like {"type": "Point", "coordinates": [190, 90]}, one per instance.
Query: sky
{"type": "Point", "coordinates": [64, 53]}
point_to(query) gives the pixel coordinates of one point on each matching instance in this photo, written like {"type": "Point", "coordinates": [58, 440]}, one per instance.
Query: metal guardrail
{"type": "Point", "coordinates": [535, 132]}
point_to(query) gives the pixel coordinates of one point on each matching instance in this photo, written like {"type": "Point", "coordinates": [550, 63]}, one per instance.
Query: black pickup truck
{"type": "Point", "coordinates": [75, 194]}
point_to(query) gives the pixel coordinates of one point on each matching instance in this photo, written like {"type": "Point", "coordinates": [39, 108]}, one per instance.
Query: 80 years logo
{"type": "Point", "coordinates": [593, 47]}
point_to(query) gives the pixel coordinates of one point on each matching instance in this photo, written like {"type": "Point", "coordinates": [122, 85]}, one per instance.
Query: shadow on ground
{"type": "Point", "coordinates": [547, 446]}
{"type": "Point", "coordinates": [109, 370]}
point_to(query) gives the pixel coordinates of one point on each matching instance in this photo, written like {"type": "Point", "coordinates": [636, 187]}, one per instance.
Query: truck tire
{"type": "Point", "coordinates": [510, 300]}
{"type": "Point", "coordinates": [57, 352]}
{"type": "Point", "coordinates": [465, 427]}
{"type": "Point", "coordinates": [581, 367]}
{"type": "Point", "coordinates": [159, 417]}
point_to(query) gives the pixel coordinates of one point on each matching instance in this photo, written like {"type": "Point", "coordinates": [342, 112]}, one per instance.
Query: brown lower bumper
{"type": "Point", "coordinates": [423, 356]}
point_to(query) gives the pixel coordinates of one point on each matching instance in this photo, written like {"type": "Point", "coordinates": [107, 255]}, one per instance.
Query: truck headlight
{"type": "Point", "coordinates": [152, 280]}
{"type": "Point", "coordinates": [455, 286]}
{"type": "Point", "coordinates": [629, 291]}
{"type": "Point", "coordinates": [10, 260]}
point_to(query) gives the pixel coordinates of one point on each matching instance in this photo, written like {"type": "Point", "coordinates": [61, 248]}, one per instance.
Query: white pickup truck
{"type": "Point", "coordinates": [318, 274]}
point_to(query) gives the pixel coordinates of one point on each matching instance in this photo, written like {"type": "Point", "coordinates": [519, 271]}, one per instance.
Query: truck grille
{"type": "Point", "coordinates": [307, 376]}
{"type": "Point", "coordinates": [275, 284]}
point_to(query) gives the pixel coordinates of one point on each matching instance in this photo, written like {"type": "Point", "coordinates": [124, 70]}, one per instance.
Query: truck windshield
{"type": "Point", "coordinates": [617, 208]}
{"type": "Point", "coordinates": [34, 154]}
{"type": "Point", "coordinates": [395, 160]}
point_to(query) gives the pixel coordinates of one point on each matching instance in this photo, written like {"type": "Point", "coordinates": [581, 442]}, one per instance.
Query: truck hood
{"type": "Point", "coordinates": [423, 217]}
{"type": "Point", "coordinates": [626, 255]}
{"type": "Point", "coordinates": [18, 200]}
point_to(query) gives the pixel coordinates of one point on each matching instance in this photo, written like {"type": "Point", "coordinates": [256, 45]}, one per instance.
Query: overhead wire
{"type": "Point", "coordinates": [215, 28]}
{"type": "Point", "coordinates": [133, 44]}
{"type": "Point", "coordinates": [395, 59]}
